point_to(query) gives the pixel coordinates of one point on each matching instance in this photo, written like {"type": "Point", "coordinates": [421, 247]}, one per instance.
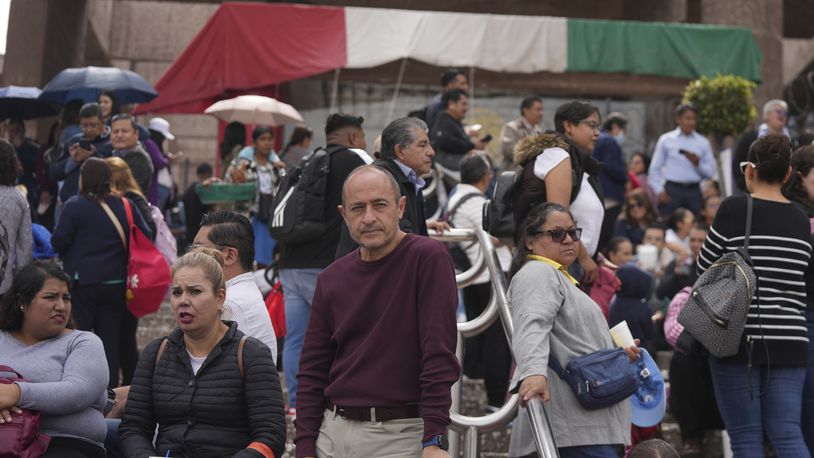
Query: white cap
{"type": "Point", "coordinates": [163, 126]}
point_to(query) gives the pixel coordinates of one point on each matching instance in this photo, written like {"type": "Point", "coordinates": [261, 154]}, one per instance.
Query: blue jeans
{"type": "Point", "coordinates": [808, 388]}
{"type": "Point", "coordinates": [298, 290]}
{"type": "Point", "coordinates": [775, 412]}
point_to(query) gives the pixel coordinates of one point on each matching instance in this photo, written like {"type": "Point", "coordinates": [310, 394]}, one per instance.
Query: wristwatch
{"type": "Point", "coordinates": [440, 441]}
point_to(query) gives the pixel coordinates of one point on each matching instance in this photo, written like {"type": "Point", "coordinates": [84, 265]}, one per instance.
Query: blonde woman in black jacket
{"type": "Point", "coordinates": [211, 391]}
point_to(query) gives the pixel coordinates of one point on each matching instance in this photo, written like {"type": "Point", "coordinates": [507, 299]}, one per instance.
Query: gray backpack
{"type": "Point", "coordinates": [715, 313]}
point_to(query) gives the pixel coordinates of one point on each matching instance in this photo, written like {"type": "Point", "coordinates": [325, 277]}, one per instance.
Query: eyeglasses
{"type": "Point", "coordinates": [635, 205]}
{"type": "Point", "coordinates": [216, 246]}
{"type": "Point", "coordinates": [744, 164]}
{"type": "Point", "coordinates": [782, 113]}
{"type": "Point", "coordinates": [558, 235]}
{"type": "Point", "coordinates": [592, 124]}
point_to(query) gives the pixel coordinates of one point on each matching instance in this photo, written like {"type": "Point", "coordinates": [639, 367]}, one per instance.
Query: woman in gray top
{"type": "Point", "coordinates": [553, 317]}
{"type": "Point", "coordinates": [15, 225]}
{"type": "Point", "coordinates": [65, 381]}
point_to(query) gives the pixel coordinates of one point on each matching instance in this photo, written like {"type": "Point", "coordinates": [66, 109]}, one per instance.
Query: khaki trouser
{"type": "Point", "coordinates": [343, 438]}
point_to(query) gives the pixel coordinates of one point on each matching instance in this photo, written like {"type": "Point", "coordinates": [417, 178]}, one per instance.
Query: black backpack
{"type": "Point", "coordinates": [498, 212]}
{"type": "Point", "coordinates": [297, 212]}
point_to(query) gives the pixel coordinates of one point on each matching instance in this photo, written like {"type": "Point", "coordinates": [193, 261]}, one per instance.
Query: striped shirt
{"type": "Point", "coordinates": [780, 247]}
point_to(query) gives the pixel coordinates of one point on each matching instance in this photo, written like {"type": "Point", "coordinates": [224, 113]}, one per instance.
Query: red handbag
{"type": "Point", "coordinates": [275, 304]}
{"type": "Point", "coordinates": [148, 274]}
{"type": "Point", "coordinates": [21, 438]}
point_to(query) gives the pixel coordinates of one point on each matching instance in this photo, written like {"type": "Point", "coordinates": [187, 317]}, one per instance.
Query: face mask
{"type": "Point", "coordinates": [620, 137]}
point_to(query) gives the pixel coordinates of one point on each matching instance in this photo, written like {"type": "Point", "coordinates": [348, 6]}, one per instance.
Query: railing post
{"type": "Point", "coordinates": [457, 388]}
{"type": "Point", "coordinates": [541, 431]}
{"type": "Point", "coordinates": [471, 443]}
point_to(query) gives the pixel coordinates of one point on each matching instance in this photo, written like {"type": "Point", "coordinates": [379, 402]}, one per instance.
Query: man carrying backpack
{"type": "Point", "coordinates": [301, 262]}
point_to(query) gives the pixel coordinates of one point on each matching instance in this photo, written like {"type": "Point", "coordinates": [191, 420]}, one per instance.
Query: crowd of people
{"type": "Point", "coordinates": [371, 304]}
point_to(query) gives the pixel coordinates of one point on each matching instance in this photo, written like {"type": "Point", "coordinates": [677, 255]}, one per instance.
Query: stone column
{"type": "Point", "coordinates": [765, 19]}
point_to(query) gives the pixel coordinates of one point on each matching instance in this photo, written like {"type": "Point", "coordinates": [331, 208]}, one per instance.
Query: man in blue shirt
{"type": "Point", "coordinates": [614, 171]}
{"type": "Point", "coordinates": [682, 158]}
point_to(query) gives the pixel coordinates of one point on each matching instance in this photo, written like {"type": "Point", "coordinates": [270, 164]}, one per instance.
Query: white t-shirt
{"type": "Point", "coordinates": [587, 209]}
{"type": "Point", "coordinates": [245, 306]}
{"type": "Point", "coordinates": [196, 362]}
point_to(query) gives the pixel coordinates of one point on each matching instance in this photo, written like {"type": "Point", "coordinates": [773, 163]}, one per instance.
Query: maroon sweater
{"type": "Point", "coordinates": [381, 334]}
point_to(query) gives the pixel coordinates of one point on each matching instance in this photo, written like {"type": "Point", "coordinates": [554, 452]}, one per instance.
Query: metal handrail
{"type": "Point", "coordinates": [436, 187]}
{"type": "Point", "coordinates": [498, 307]}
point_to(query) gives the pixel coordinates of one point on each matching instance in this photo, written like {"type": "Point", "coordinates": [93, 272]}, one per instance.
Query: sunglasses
{"type": "Point", "coordinates": [744, 164]}
{"type": "Point", "coordinates": [635, 205]}
{"type": "Point", "coordinates": [558, 235]}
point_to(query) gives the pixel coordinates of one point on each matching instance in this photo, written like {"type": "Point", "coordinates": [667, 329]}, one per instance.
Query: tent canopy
{"type": "Point", "coordinates": [250, 47]}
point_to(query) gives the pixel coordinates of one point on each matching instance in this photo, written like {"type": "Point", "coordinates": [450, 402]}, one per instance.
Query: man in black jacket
{"type": "Point", "coordinates": [73, 153]}
{"type": "Point", "coordinates": [406, 153]}
{"type": "Point", "coordinates": [300, 263]}
{"type": "Point", "coordinates": [448, 136]}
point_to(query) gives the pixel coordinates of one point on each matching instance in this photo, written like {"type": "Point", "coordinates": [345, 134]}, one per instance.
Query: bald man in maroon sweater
{"type": "Point", "coordinates": [378, 359]}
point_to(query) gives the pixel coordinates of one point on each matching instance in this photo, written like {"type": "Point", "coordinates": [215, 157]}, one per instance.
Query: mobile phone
{"type": "Point", "coordinates": [84, 143]}
{"type": "Point", "coordinates": [487, 138]}
{"type": "Point", "coordinates": [686, 153]}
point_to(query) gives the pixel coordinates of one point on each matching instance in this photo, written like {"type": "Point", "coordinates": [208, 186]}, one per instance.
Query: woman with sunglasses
{"type": "Point", "coordinates": [760, 389]}
{"type": "Point", "coordinates": [559, 167]}
{"type": "Point", "coordinates": [554, 318]}
{"type": "Point", "coordinates": [638, 216]}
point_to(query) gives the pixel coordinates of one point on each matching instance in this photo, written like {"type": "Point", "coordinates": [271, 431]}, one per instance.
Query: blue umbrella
{"type": "Point", "coordinates": [21, 103]}
{"type": "Point", "coordinates": [87, 83]}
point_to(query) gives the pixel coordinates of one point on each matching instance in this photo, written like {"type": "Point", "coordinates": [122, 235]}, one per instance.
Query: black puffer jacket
{"type": "Point", "coordinates": [212, 414]}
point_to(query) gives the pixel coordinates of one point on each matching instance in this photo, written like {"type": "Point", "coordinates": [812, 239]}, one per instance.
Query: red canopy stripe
{"type": "Point", "coordinates": [251, 45]}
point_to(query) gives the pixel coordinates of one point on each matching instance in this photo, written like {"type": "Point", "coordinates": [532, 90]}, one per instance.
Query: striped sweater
{"type": "Point", "coordinates": [780, 249]}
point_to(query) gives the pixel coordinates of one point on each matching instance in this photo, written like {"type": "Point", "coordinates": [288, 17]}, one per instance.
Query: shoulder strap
{"type": "Point", "coordinates": [161, 349]}
{"type": "Point", "coordinates": [240, 355]}
{"type": "Point", "coordinates": [128, 210]}
{"type": "Point", "coordinates": [458, 204]}
{"type": "Point", "coordinates": [555, 365]}
{"type": "Point", "coordinates": [115, 221]}
{"type": "Point", "coordinates": [748, 230]}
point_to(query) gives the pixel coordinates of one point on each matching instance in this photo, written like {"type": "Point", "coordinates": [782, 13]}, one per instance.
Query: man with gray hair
{"type": "Point", "coordinates": [406, 153]}
{"type": "Point", "coordinates": [775, 117]}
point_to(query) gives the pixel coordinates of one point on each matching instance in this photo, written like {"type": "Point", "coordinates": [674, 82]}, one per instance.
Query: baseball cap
{"type": "Point", "coordinates": [649, 400]}
{"type": "Point", "coordinates": [163, 126]}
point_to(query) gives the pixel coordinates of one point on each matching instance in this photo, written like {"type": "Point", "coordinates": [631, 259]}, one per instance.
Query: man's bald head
{"type": "Point", "coordinates": [368, 172]}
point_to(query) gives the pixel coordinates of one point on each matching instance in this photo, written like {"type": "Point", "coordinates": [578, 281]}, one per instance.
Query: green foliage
{"type": "Point", "coordinates": [724, 104]}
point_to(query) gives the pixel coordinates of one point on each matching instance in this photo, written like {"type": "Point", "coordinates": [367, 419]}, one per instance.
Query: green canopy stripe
{"type": "Point", "coordinates": [675, 50]}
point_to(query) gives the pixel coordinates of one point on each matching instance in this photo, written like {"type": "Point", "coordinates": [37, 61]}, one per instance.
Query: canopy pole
{"type": "Point", "coordinates": [396, 91]}
{"type": "Point", "coordinates": [335, 90]}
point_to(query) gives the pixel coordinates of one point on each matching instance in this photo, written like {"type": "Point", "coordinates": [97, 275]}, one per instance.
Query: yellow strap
{"type": "Point", "coordinates": [555, 265]}
{"type": "Point", "coordinates": [116, 222]}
